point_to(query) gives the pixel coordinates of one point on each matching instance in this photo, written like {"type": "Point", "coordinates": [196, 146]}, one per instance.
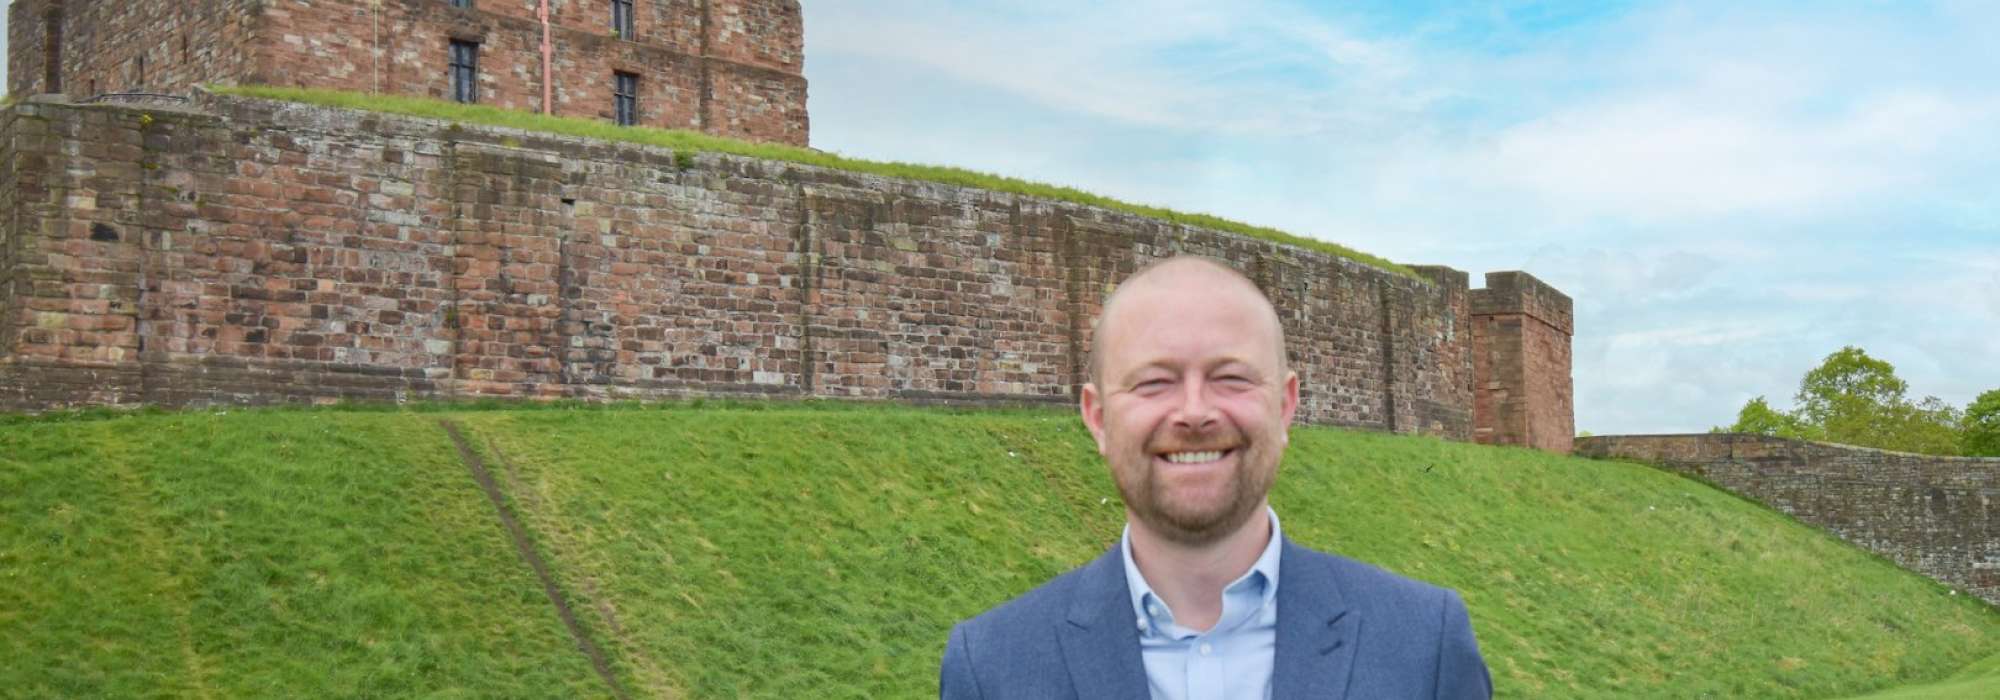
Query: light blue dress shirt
{"type": "Point", "coordinates": [1233, 659]}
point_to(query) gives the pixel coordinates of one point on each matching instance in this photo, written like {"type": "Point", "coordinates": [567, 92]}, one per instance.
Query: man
{"type": "Point", "coordinates": [1190, 400]}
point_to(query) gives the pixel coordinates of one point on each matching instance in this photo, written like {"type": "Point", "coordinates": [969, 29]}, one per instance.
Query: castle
{"type": "Point", "coordinates": [727, 67]}
{"type": "Point", "coordinates": [229, 250]}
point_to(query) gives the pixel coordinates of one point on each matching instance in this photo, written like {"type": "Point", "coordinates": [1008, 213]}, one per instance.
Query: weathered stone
{"type": "Point", "coordinates": [1938, 516]}
{"type": "Point", "coordinates": [726, 276]}
{"type": "Point", "coordinates": [1521, 332]}
{"type": "Point", "coordinates": [727, 67]}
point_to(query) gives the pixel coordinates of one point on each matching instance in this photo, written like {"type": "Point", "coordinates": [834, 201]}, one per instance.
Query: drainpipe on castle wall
{"type": "Point", "coordinates": [548, 55]}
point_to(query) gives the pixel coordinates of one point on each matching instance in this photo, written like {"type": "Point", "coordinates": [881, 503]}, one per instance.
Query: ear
{"type": "Point", "coordinates": [1291, 399]}
{"type": "Point", "coordinates": [1092, 408]}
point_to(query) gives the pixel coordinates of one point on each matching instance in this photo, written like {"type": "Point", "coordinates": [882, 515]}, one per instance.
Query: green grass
{"type": "Point", "coordinates": [1979, 680]}
{"type": "Point", "coordinates": [692, 141]}
{"type": "Point", "coordinates": [270, 554]}
{"type": "Point", "coordinates": [804, 551]}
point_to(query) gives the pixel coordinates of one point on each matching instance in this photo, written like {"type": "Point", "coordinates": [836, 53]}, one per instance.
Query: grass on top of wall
{"type": "Point", "coordinates": [824, 552]}
{"type": "Point", "coordinates": [681, 140]}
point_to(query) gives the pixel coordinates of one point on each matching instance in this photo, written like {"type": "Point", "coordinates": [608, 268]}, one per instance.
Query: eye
{"type": "Point", "coordinates": [1234, 381]}
{"type": "Point", "coordinates": [1151, 386]}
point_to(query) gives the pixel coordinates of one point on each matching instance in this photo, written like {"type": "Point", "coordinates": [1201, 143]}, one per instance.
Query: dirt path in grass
{"type": "Point", "coordinates": [528, 554]}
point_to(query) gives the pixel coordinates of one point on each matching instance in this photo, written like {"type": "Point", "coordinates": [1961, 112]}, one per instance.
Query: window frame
{"type": "Point", "coordinates": [52, 46]}
{"type": "Point", "coordinates": [624, 19]}
{"type": "Point", "coordinates": [464, 71]}
{"type": "Point", "coordinates": [625, 98]}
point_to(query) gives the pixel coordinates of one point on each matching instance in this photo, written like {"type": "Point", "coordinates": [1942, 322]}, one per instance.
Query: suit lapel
{"type": "Point", "coordinates": [1317, 633]}
{"type": "Point", "coordinates": [1100, 640]}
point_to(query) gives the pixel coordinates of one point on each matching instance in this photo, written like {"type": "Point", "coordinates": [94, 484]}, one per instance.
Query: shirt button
{"type": "Point", "coordinates": [1205, 649]}
{"type": "Point", "coordinates": [1154, 609]}
{"type": "Point", "coordinates": [1142, 623]}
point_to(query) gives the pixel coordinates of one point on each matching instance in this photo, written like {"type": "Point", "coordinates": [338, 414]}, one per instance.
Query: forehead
{"type": "Point", "coordinates": [1198, 317]}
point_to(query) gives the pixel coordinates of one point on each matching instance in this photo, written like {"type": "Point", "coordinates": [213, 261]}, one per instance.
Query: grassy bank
{"type": "Point", "coordinates": [1979, 680]}
{"type": "Point", "coordinates": [792, 551]}
{"type": "Point", "coordinates": [692, 141]}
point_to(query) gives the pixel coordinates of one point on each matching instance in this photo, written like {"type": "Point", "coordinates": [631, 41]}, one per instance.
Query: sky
{"type": "Point", "coordinates": [1730, 191]}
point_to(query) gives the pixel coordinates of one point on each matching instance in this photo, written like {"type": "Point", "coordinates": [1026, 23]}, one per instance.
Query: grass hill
{"type": "Point", "coordinates": [803, 551]}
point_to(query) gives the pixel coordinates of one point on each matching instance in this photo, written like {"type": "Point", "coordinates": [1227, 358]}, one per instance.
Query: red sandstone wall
{"type": "Point", "coordinates": [767, 34]}
{"type": "Point", "coordinates": [27, 52]}
{"type": "Point", "coordinates": [184, 43]}
{"type": "Point", "coordinates": [756, 104]}
{"type": "Point", "coordinates": [1521, 332]}
{"type": "Point", "coordinates": [332, 44]}
{"type": "Point", "coordinates": [1933, 515]}
{"type": "Point", "coordinates": [273, 252]}
{"type": "Point", "coordinates": [749, 85]}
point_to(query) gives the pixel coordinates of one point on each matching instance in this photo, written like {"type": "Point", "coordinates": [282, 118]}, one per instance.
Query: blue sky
{"type": "Point", "coordinates": [1729, 190]}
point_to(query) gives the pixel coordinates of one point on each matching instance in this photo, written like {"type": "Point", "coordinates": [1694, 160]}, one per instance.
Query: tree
{"type": "Point", "coordinates": [1930, 426]}
{"type": "Point", "coordinates": [1979, 428]}
{"type": "Point", "coordinates": [1854, 399]}
{"type": "Point", "coordinates": [1758, 418]}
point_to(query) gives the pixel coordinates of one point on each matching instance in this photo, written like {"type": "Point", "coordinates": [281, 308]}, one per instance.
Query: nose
{"type": "Point", "coordinates": [1196, 412]}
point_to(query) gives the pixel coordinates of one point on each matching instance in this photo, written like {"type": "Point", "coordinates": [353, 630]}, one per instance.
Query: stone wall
{"type": "Point", "coordinates": [127, 46]}
{"type": "Point", "coordinates": [246, 251]}
{"type": "Point", "coordinates": [730, 67]}
{"type": "Point", "coordinates": [1939, 516]}
{"type": "Point", "coordinates": [1520, 346]}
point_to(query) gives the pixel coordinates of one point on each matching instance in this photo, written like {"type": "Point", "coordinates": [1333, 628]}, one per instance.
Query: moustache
{"type": "Point", "coordinates": [1219, 442]}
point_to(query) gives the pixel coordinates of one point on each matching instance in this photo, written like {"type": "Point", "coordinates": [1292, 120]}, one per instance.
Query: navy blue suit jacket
{"type": "Point", "coordinates": [1345, 630]}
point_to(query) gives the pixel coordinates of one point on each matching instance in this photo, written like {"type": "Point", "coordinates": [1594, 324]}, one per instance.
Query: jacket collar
{"type": "Point", "coordinates": [1317, 632]}
{"type": "Point", "coordinates": [1100, 638]}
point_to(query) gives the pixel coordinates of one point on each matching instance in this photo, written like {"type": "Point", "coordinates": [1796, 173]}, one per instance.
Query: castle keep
{"type": "Point", "coordinates": [727, 67]}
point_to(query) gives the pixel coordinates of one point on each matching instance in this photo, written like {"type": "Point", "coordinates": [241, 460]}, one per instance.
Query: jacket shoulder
{"type": "Point", "coordinates": [1369, 585]}
{"type": "Point", "coordinates": [1035, 609]}
{"type": "Point", "coordinates": [1012, 650]}
{"type": "Point", "coordinates": [1418, 630]}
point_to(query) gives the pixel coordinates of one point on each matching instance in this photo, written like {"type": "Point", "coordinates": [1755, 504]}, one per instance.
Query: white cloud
{"type": "Point", "coordinates": [1698, 152]}
{"type": "Point", "coordinates": [1729, 192]}
{"type": "Point", "coordinates": [1247, 68]}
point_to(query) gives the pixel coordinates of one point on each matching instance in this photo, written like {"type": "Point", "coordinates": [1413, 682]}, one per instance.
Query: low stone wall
{"type": "Point", "coordinates": [1939, 516]}
{"type": "Point", "coordinates": [255, 251]}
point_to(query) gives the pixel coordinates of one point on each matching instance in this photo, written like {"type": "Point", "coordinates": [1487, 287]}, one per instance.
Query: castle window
{"type": "Point", "coordinates": [462, 3]}
{"type": "Point", "coordinates": [52, 51]}
{"type": "Point", "coordinates": [622, 20]}
{"type": "Point", "coordinates": [465, 71]}
{"type": "Point", "coordinates": [626, 93]}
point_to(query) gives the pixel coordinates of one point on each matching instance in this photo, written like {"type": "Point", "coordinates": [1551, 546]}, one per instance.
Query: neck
{"type": "Point", "coordinates": [1190, 578]}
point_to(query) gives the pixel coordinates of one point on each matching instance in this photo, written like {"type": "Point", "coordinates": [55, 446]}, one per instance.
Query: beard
{"type": "Point", "coordinates": [1197, 514]}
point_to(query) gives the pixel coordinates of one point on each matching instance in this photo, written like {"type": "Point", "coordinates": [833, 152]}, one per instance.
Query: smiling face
{"type": "Point", "coordinates": [1191, 399]}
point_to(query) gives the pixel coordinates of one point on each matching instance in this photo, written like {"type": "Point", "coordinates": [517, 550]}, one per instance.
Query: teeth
{"type": "Point", "coordinates": [1193, 457]}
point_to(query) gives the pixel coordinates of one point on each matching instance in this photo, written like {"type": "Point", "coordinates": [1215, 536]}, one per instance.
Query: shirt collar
{"type": "Point", "coordinates": [1266, 566]}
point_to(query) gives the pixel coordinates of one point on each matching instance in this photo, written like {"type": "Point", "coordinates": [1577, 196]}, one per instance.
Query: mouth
{"type": "Point", "coordinates": [1195, 457]}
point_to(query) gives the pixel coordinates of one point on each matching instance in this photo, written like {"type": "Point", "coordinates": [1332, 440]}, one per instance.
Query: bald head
{"type": "Point", "coordinates": [1160, 286]}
